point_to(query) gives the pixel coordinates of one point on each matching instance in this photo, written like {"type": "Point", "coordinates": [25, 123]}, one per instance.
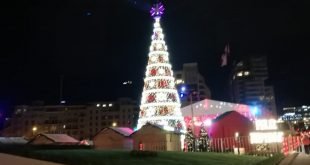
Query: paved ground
{"type": "Point", "coordinates": [6, 159]}
{"type": "Point", "coordinates": [296, 159]}
{"type": "Point", "coordinates": [301, 159]}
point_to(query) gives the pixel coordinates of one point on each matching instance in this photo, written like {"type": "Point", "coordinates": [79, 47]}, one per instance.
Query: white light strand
{"type": "Point", "coordinates": [158, 52]}
{"type": "Point", "coordinates": [159, 65]}
{"type": "Point", "coordinates": [160, 104]}
{"type": "Point", "coordinates": [161, 118]}
{"type": "Point", "coordinates": [159, 77]}
{"type": "Point", "coordinates": [158, 42]}
{"type": "Point", "coordinates": [160, 30]}
{"type": "Point", "coordinates": [160, 90]}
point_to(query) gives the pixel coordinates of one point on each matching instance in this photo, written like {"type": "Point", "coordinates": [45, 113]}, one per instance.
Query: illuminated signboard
{"type": "Point", "coordinates": [266, 137]}
{"type": "Point", "coordinates": [266, 132]}
{"type": "Point", "coordinates": [266, 124]}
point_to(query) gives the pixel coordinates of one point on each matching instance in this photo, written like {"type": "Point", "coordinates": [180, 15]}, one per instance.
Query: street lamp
{"type": "Point", "coordinates": [190, 94]}
{"type": "Point", "coordinates": [34, 129]}
{"type": "Point", "coordinates": [237, 139]}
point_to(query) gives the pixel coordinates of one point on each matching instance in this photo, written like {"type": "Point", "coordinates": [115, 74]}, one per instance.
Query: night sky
{"type": "Point", "coordinates": [97, 44]}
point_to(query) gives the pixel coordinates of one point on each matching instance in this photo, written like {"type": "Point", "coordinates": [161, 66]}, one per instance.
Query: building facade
{"type": "Point", "coordinates": [78, 121]}
{"type": "Point", "coordinates": [248, 85]}
{"type": "Point", "coordinates": [299, 114]}
{"type": "Point", "coordinates": [193, 82]}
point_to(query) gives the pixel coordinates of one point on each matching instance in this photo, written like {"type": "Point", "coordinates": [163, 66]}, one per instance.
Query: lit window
{"type": "Point", "coordinates": [239, 74]}
{"type": "Point", "coordinates": [98, 105]}
{"type": "Point", "coordinates": [110, 105]}
{"type": "Point", "coordinates": [179, 81]}
{"type": "Point", "coordinates": [104, 105]}
{"type": "Point", "coordinates": [246, 73]}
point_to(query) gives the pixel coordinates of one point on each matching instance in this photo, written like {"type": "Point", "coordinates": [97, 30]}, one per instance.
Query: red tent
{"type": "Point", "coordinates": [227, 124]}
{"type": "Point", "coordinates": [224, 129]}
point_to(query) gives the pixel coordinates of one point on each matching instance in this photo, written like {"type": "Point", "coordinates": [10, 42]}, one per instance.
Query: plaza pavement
{"type": "Point", "coordinates": [296, 159]}
{"type": "Point", "coordinates": [6, 159]}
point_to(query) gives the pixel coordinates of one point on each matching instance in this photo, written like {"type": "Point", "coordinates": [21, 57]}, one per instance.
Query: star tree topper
{"type": "Point", "coordinates": [157, 10]}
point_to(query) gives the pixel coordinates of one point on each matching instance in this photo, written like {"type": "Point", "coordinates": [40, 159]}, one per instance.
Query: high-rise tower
{"type": "Point", "coordinates": [250, 84]}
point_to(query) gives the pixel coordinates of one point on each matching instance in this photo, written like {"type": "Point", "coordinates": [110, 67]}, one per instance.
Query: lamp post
{"type": "Point", "coordinates": [237, 139]}
{"type": "Point", "coordinates": [34, 129]}
{"type": "Point", "coordinates": [190, 94]}
{"type": "Point", "coordinates": [192, 121]}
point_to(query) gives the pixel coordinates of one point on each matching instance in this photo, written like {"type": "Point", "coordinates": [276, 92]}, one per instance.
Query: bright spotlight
{"type": "Point", "coordinates": [183, 89]}
{"type": "Point", "coordinates": [254, 110]}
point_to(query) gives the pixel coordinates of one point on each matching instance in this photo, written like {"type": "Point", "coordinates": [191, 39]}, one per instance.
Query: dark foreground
{"type": "Point", "coordinates": [95, 157]}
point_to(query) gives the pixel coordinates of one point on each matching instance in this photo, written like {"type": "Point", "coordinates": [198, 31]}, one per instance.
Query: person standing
{"type": "Point", "coordinates": [305, 138]}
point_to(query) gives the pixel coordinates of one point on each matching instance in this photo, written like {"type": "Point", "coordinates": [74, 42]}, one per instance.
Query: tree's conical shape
{"type": "Point", "coordinates": [160, 103]}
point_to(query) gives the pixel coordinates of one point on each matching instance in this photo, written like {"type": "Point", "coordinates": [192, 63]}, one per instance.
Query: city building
{"type": "Point", "coordinates": [191, 84]}
{"type": "Point", "coordinates": [249, 85]}
{"type": "Point", "coordinates": [78, 121]}
{"type": "Point", "coordinates": [297, 114]}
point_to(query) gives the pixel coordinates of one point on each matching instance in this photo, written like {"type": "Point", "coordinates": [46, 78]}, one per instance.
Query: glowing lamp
{"type": "Point", "coordinates": [167, 128]}
{"type": "Point", "coordinates": [207, 122]}
{"type": "Point", "coordinates": [254, 110]}
{"type": "Point", "coordinates": [183, 89]}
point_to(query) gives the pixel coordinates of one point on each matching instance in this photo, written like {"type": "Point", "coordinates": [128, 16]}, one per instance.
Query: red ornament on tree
{"type": "Point", "coordinates": [151, 98]}
{"type": "Point", "coordinates": [162, 83]}
{"type": "Point", "coordinates": [153, 72]}
{"type": "Point", "coordinates": [142, 113]}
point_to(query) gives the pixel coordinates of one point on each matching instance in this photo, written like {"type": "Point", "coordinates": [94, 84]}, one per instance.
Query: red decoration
{"type": "Point", "coordinates": [153, 72]}
{"type": "Point", "coordinates": [151, 98]}
{"type": "Point", "coordinates": [142, 113]}
{"type": "Point", "coordinates": [162, 83]}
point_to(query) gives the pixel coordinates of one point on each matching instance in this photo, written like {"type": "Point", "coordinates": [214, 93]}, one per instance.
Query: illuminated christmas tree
{"type": "Point", "coordinates": [160, 103]}
{"type": "Point", "coordinates": [189, 140]}
{"type": "Point", "coordinates": [203, 141]}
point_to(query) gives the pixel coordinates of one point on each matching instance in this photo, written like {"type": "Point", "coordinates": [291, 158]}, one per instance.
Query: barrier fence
{"type": "Point", "coordinates": [242, 145]}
